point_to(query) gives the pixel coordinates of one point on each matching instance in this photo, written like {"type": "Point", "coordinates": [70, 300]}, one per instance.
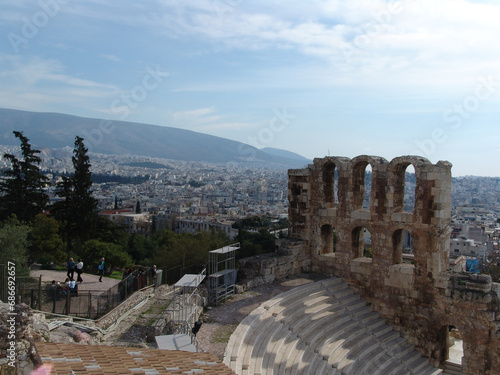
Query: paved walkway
{"type": "Point", "coordinates": [90, 282]}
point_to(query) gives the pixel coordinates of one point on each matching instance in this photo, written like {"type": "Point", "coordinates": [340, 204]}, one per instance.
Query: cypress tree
{"type": "Point", "coordinates": [78, 209]}
{"type": "Point", "coordinates": [84, 204]}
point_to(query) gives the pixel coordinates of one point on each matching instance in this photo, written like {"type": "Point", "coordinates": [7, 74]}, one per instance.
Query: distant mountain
{"type": "Point", "coordinates": [55, 130]}
{"type": "Point", "coordinates": [285, 154]}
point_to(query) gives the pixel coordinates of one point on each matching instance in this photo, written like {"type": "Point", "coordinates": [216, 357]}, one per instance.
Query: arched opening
{"type": "Point", "coordinates": [361, 243]}
{"type": "Point", "coordinates": [409, 190]}
{"type": "Point", "coordinates": [368, 187]}
{"type": "Point", "coordinates": [362, 183]}
{"type": "Point", "coordinates": [452, 348]}
{"type": "Point", "coordinates": [405, 182]}
{"type": "Point", "coordinates": [402, 247]}
{"type": "Point", "coordinates": [329, 183]}
{"type": "Point", "coordinates": [326, 239]}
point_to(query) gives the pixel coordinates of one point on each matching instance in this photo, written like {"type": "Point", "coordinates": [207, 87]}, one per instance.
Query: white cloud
{"type": "Point", "coordinates": [111, 58]}
{"type": "Point", "coordinates": [424, 42]}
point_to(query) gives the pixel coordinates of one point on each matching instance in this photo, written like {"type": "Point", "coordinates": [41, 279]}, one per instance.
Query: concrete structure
{"type": "Point", "coordinates": [467, 247]}
{"type": "Point", "coordinates": [423, 300]}
{"type": "Point", "coordinates": [131, 222]}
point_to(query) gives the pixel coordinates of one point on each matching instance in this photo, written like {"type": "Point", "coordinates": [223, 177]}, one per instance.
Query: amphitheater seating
{"type": "Point", "coordinates": [320, 328]}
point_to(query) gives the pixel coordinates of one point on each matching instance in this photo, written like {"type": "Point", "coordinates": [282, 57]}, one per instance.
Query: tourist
{"type": "Point", "coordinates": [79, 270]}
{"type": "Point", "coordinates": [71, 268]}
{"type": "Point", "coordinates": [153, 274]}
{"type": "Point", "coordinates": [101, 267]}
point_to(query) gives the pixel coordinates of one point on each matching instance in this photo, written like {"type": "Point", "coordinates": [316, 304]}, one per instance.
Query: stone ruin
{"type": "Point", "coordinates": [422, 298]}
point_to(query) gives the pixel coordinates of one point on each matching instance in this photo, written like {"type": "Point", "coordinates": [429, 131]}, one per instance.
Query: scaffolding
{"type": "Point", "coordinates": [186, 304]}
{"type": "Point", "coordinates": [222, 274]}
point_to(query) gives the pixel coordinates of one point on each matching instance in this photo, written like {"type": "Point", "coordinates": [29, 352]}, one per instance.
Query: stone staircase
{"type": "Point", "coordinates": [320, 328]}
{"type": "Point", "coordinates": [451, 368]}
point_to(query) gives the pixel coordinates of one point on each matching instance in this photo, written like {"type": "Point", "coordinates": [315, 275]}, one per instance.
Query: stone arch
{"type": "Point", "coordinates": [358, 243]}
{"type": "Point", "coordinates": [359, 183]}
{"type": "Point", "coordinates": [328, 176]}
{"type": "Point", "coordinates": [398, 174]}
{"type": "Point", "coordinates": [399, 239]}
{"type": "Point", "coordinates": [328, 239]}
{"type": "Point", "coordinates": [446, 339]}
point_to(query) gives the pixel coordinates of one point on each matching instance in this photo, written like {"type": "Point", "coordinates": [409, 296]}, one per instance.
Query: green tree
{"type": "Point", "coordinates": [22, 188]}
{"type": "Point", "coordinates": [255, 243]}
{"type": "Point", "coordinates": [45, 244]}
{"type": "Point", "coordinates": [188, 250]}
{"type": "Point", "coordinates": [94, 250]}
{"type": "Point", "coordinates": [84, 205]}
{"type": "Point", "coordinates": [14, 245]}
{"type": "Point", "coordinates": [78, 208]}
{"type": "Point", "coordinates": [140, 248]}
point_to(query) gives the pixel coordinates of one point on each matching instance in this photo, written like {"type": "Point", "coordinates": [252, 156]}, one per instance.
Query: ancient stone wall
{"type": "Point", "coordinates": [289, 259]}
{"type": "Point", "coordinates": [364, 245]}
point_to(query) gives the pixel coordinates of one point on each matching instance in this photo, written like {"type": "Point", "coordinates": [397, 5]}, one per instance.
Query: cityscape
{"type": "Point", "coordinates": [145, 194]}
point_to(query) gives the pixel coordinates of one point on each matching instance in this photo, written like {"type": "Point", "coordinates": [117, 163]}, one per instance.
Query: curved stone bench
{"type": "Point", "coordinates": [320, 328]}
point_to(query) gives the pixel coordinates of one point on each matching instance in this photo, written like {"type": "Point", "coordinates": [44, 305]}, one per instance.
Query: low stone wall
{"type": "Point", "coordinates": [129, 303]}
{"type": "Point", "coordinates": [288, 260]}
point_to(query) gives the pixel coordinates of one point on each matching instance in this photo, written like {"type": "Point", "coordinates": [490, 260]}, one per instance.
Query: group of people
{"type": "Point", "coordinates": [58, 290]}
{"type": "Point", "coordinates": [72, 267]}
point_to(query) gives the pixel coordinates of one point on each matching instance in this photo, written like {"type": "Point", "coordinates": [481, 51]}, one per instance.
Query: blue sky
{"type": "Point", "coordinates": [319, 78]}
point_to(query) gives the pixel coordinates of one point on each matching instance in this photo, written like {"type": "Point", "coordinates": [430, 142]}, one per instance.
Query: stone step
{"type": "Point", "coordinates": [357, 353]}
{"type": "Point", "coordinates": [321, 329]}
{"type": "Point", "coordinates": [287, 350]}
{"type": "Point", "coordinates": [269, 359]}
{"type": "Point", "coordinates": [451, 368]}
{"type": "Point", "coordinates": [385, 352]}
{"type": "Point", "coordinates": [252, 344]}
{"type": "Point", "coordinates": [263, 347]}
{"type": "Point", "coordinates": [233, 358]}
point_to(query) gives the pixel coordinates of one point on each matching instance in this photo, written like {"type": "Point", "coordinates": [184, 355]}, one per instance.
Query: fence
{"type": "Point", "coordinates": [85, 304]}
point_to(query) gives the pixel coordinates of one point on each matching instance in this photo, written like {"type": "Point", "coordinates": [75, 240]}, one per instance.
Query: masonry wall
{"type": "Point", "coordinates": [422, 299]}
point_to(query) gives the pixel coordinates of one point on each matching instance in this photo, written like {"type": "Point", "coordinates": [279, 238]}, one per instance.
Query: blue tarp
{"type": "Point", "coordinates": [472, 265]}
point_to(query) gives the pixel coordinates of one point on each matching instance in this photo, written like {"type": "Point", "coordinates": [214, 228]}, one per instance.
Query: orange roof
{"type": "Point", "coordinates": [99, 359]}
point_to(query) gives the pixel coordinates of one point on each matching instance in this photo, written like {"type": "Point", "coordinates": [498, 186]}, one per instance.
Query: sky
{"type": "Point", "coordinates": [319, 78]}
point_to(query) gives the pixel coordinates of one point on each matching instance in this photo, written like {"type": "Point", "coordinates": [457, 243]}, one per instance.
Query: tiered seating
{"type": "Point", "coordinates": [320, 328]}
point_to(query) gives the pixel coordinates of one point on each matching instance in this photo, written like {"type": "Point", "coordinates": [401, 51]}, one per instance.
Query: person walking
{"type": "Point", "coordinates": [79, 270]}
{"type": "Point", "coordinates": [101, 267]}
{"type": "Point", "coordinates": [71, 269]}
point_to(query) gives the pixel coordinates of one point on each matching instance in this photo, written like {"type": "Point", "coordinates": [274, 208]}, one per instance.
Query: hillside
{"type": "Point", "coordinates": [55, 130]}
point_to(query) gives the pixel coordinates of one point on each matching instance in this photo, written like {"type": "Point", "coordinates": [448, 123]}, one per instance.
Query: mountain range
{"type": "Point", "coordinates": [56, 131]}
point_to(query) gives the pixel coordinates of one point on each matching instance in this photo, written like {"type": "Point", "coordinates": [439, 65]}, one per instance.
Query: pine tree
{"type": "Point", "coordinates": [22, 188]}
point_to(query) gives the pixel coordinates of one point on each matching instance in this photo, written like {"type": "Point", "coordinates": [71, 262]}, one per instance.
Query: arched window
{"type": "Point", "coordinates": [328, 239]}
{"type": "Point", "coordinates": [329, 183]}
{"type": "Point", "coordinates": [362, 183]}
{"type": "Point", "coordinates": [452, 346]}
{"type": "Point", "coordinates": [402, 247]}
{"type": "Point", "coordinates": [361, 243]}
{"type": "Point", "coordinates": [404, 189]}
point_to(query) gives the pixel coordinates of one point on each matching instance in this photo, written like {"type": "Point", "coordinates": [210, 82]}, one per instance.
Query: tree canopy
{"type": "Point", "coordinates": [22, 187]}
